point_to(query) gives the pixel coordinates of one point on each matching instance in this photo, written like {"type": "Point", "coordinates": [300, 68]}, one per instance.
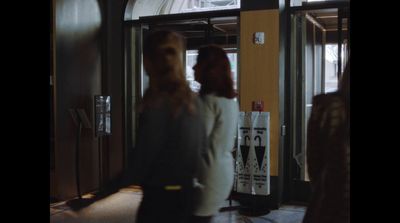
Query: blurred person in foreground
{"type": "Point", "coordinates": [328, 155]}
{"type": "Point", "coordinates": [170, 134]}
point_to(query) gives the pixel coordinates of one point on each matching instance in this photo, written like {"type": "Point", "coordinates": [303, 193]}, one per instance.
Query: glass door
{"type": "Point", "coordinates": [222, 31]}
{"type": "Point", "coordinates": [318, 50]}
{"type": "Point", "coordinates": [135, 83]}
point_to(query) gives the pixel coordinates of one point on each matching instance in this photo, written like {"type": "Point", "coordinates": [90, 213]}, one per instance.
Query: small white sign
{"type": "Point", "coordinates": [259, 38]}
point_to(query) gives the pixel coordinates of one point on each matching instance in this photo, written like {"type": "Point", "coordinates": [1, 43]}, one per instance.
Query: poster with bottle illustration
{"type": "Point", "coordinates": [252, 169]}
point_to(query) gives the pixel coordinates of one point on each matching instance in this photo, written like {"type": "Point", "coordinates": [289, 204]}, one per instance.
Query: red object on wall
{"type": "Point", "coordinates": [257, 106]}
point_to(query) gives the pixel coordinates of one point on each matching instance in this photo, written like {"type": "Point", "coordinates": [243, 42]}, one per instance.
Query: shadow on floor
{"type": "Point", "coordinates": [79, 203]}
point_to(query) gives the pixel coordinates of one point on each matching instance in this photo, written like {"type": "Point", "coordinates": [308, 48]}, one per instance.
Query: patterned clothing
{"type": "Point", "coordinates": [328, 159]}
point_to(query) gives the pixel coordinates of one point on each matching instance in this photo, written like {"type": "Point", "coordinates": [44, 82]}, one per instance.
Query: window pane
{"type": "Point", "coordinates": [209, 5]}
{"type": "Point", "coordinates": [233, 61]}
{"type": "Point", "coordinates": [331, 64]}
{"type": "Point", "coordinates": [191, 56]}
{"type": "Point", "coordinates": [162, 7]}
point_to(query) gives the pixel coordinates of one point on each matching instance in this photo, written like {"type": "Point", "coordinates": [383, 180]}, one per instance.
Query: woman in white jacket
{"type": "Point", "coordinates": [220, 115]}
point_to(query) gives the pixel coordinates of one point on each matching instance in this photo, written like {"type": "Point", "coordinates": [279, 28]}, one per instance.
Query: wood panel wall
{"type": "Point", "coordinates": [88, 61]}
{"type": "Point", "coordinates": [77, 79]}
{"type": "Point", "coordinates": [259, 70]}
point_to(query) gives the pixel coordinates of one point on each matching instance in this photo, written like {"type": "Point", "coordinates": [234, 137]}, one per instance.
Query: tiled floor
{"type": "Point", "coordinates": [121, 207]}
{"type": "Point", "coordinates": [285, 214]}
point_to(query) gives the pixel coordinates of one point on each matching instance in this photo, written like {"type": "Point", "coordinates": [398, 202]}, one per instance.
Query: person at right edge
{"type": "Point", "coordinates": [328, 155]}
{"type": "Point", "coordinates": [220, 115]}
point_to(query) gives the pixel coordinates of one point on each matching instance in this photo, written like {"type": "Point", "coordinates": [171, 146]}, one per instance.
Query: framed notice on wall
{"type": "Point", "coordinates": [102, 115]}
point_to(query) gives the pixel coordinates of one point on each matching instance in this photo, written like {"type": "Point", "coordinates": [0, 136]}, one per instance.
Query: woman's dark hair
{"type": "Point", "coordinates": [215, 74]}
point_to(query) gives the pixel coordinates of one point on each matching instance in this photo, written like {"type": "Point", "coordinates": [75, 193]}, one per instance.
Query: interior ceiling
{"type": "Point", "coordinates": [227, 27]}
{"type": "Point", "coordinates": [328, 18]}
{"type": "Point", "coordinates": [195, 28]}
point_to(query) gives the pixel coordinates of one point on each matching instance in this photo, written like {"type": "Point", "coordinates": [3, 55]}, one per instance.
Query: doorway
{"type": "Point", "coordinates": [319, 49]}
{"type": "Point", "coordinates": [198, 29]}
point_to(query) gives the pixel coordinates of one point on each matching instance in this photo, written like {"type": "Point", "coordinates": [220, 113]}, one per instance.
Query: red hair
{"type": "Point", "coordinates": [215, 75]}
